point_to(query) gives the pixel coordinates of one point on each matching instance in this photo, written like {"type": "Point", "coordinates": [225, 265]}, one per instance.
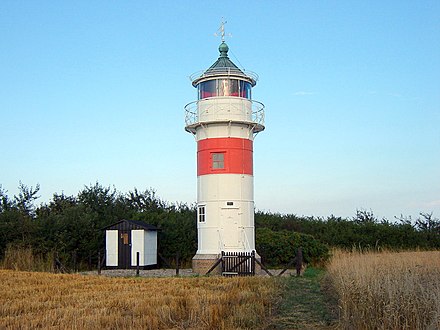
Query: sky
{"type": "Point", "coordinates": [94, 91]}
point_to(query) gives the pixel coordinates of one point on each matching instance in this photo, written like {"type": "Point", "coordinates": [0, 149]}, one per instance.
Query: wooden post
{"type": "Point", "coordinates": [99, 262]}
{"type": "Point", "coordinates": [74, 261]}
{"type": "Point", "coordinates": [253, 262]}
{"type": "Point", "coordinates": [299, 261]}
{"type": "Point", "coordinates": [177, 263]}
{"type": "Point", "coordinates": [137, 263]}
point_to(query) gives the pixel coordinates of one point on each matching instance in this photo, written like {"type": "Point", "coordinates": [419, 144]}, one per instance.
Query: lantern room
{"type": "Point", "coordinates": [224, 87]}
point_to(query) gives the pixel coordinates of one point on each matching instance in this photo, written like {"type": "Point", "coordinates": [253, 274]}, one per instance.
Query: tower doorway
{"type": "Point", "coordinates": [229, 223]}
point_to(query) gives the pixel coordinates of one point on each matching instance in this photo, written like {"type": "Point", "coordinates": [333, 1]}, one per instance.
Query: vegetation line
{"type": "Point", "coordinates": [71, 227]}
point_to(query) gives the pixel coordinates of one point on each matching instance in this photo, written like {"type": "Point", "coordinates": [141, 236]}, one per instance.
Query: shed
{"type": "Point", "coordinates": [124, 239]}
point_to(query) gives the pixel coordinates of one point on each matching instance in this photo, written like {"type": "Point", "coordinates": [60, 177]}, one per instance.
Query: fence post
{"type": "Point", "coordinates": [99, 262]}
{"type": "Point", "coordinates": [299, 260]}
{"type": "Point", "coordinates": [177, 263]}
{"type": "Point", "coordinates": [253, 262]}
{"type": "Point", "coordinates": [137, 263]}
{"type": "Point", "coordinates": [74, 261]}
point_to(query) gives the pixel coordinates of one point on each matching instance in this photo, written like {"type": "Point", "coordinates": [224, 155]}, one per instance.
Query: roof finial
{"type": "Point", "coordinates": [221, 30]}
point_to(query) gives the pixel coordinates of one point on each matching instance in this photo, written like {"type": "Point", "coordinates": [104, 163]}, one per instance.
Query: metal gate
{"type": "Point", "coordinates": [238, 263]}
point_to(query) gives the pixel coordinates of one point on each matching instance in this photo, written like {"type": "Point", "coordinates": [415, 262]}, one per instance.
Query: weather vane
{"type": "Point", "coordinates": [221, 31]}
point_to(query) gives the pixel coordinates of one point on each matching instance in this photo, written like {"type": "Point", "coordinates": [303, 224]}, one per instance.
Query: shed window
{"type": "Point", "coordinates": [218, 160]}
{"type": "Point", "coordinates": [124, 237]}
{"type": "Point", "coordinates": [202, 214]}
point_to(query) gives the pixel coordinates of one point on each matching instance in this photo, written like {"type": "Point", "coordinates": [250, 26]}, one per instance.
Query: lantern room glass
{"type": "Point", "coordinates": [224, 87]}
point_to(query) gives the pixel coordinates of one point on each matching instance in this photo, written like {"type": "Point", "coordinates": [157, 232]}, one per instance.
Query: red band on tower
{"type": "Point", "coordinates": [224, 156]}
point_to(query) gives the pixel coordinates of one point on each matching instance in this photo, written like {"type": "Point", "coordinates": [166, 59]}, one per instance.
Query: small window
{"type": "Point", "coordinates": [202, 215]}
{"type": "Point", "coordinates": [229, 203]}
{"type": "Point", "coordinates": [124, 237]}
{"type": "Point", "coordinates": [218, 161]}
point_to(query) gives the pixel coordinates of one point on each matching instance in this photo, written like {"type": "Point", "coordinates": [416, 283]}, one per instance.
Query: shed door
{"type": "Point", "coordinates": [124, 249]}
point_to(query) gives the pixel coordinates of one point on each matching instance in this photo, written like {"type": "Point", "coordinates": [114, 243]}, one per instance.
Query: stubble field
{"type": "Point", "coordinates": [385, 290]}
{"type": "Point", "coordinates": [43, 300]}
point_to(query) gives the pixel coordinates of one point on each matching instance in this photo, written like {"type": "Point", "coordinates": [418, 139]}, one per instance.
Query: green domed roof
{"type": "Point", "coordinates": [224, 64]}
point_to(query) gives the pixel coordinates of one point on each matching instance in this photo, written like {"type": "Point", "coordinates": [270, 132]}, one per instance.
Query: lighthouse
{"type": "Point", "coordinates": [224, 121]}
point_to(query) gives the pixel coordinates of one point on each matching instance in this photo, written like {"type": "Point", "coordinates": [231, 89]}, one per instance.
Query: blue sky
{"type": "Point", "coordinates": [94, 91]}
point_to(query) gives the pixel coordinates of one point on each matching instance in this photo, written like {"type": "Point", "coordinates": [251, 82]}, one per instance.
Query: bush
{"type": "Point", "coordinates": [277, 248]}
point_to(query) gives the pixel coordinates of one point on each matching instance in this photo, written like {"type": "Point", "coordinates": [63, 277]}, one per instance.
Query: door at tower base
{"type": "Point", "coordinates": [229, 226]}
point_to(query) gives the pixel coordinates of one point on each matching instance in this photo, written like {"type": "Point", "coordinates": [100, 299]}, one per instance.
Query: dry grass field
{"type": "Point", "coordinates": [387, 290]}
{"type": "Point", "coordinates": [43, 300]}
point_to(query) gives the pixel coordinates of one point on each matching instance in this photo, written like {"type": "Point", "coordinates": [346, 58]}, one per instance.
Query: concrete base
{"type": "Point", "coordinates": [201, 263]}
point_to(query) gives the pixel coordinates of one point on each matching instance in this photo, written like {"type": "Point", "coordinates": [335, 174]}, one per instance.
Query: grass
{"type": "Point", "coordinates": [304, 304]}
{"type": "Point", "coordinates": [43, 300]}
{"type": "Point", "coordinates": [387, 290]}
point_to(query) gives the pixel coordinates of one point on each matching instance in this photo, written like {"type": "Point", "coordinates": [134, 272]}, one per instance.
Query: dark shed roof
{"type": "Point", "coordinates": [131, 224]}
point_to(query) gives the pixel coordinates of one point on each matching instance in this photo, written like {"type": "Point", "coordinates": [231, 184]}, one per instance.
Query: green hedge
{"type": "Point", "coordinates": [277, 248]}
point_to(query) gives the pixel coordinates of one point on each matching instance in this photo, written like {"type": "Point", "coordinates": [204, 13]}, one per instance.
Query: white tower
{"type": "Point", "coordinates": [224, 121]}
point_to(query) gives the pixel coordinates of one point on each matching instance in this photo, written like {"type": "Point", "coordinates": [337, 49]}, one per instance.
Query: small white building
{"type": "Point", "coordinates": [124, 239]}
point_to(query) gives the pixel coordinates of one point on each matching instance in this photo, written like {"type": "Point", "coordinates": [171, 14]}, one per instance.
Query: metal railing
{"type": "Point", "coordinates": [221, 107]}
{"type": "Point", "coordinates": [223, 71]}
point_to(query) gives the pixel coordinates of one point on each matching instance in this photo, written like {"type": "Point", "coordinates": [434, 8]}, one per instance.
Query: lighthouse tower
{"type": "Point", "coordinates": [224, 121]}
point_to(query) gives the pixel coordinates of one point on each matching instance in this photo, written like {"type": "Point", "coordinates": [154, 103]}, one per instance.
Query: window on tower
{"type": "Point", "coordinates": [218, 160]}
{"type": "Point", "coordinates": [207, 89]}
{"type": "Point", "coordinates": [201, 213]}
{"type": "Point", "coordinates": [245, 89]}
